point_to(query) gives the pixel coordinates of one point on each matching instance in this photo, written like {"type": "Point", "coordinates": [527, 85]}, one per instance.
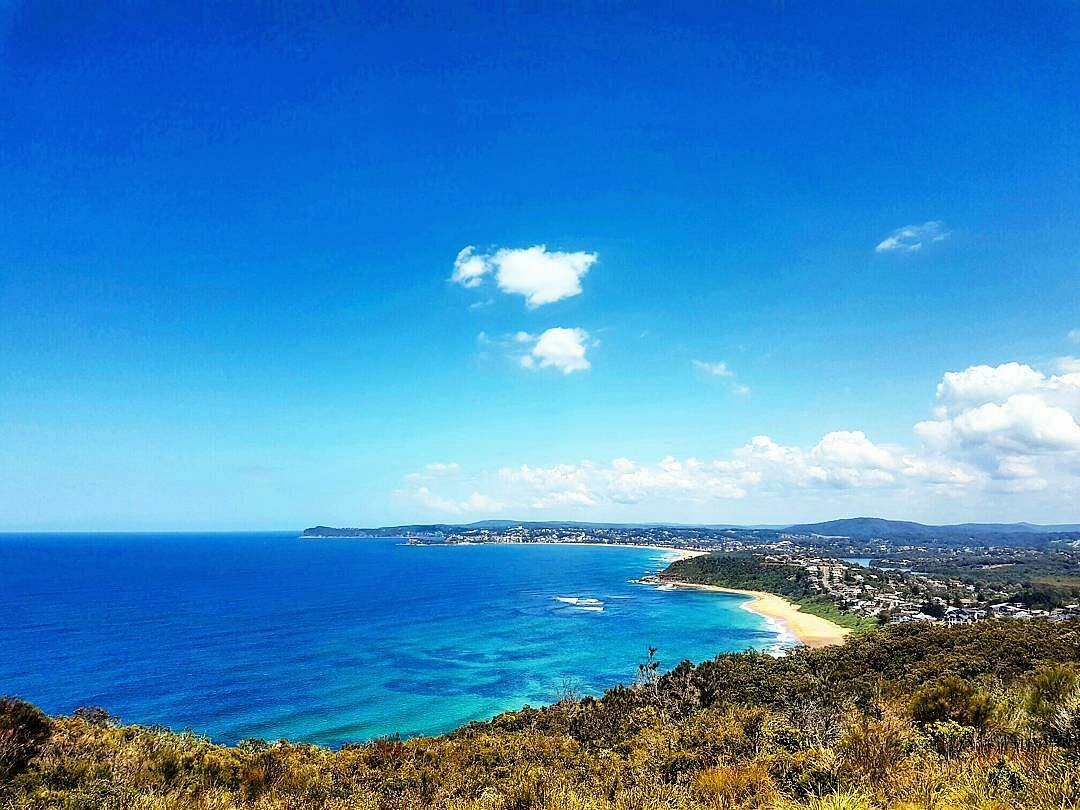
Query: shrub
{"type": "Point", "coordinates": [953, 699]}
{"type": "Point", "coordinates": [737, 785]}
{"type": "Point", "coordinates": [874, 748]}
{"type": "Point", "coordinates": [96, 716]}
{"type": "Point", "coordinates": [1053, 704]}
{"type": "Point", "coordinates": [24, 728]}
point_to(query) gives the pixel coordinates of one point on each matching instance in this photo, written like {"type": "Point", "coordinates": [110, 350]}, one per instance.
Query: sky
{"type": "Point", "coordinates": [271, 266]}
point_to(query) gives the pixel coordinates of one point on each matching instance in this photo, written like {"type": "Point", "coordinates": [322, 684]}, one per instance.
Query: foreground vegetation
{"type": "Point", "coordinates": [912, 716]}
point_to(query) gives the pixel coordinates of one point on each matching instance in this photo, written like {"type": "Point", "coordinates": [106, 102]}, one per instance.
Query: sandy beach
{"type": "Point", "coordinates": [813, 631]}
{"type": "Point", "coordinates": [684, 553]}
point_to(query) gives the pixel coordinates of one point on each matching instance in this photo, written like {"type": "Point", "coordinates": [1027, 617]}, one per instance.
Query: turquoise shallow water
{"type": "Point", "coordinates": [331, 641]}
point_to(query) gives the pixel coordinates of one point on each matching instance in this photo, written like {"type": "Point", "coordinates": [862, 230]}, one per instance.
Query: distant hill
{"type": "Point", "coordinates": [860, 528]}
{"type": "Point", "coordinates": [879, 527]}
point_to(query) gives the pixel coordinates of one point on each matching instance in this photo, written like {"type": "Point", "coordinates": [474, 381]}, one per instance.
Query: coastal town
{"type": "Point", "coordinates": [894, 596]}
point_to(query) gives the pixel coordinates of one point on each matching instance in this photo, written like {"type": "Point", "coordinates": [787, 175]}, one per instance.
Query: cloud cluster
{"type": "Point", "coordinates": [539, 275]}
{"type": "Point", "coordinates": [841, 460]}
{"type": "Point", "coordinates": [1014, 425]}
{"type": "Point", "coordinates": [911, 238]}
{"type": "Point", "coordinates": [996, 429]}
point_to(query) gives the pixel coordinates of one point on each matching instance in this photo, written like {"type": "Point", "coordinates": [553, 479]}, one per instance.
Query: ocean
{"type": "Point", "coordinates": [333, 641]}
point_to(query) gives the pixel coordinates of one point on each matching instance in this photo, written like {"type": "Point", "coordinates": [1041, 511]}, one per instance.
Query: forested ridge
{"type": "Point", "coordinates": [748, 572]}
{"type": "Point", "coordinates": [751, 573]}
{"type": "Point", "coordinates": [911, 716]}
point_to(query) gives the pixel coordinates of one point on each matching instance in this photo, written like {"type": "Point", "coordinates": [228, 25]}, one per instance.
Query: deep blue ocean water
{"type": "Point", "coordinates": [331, 641]}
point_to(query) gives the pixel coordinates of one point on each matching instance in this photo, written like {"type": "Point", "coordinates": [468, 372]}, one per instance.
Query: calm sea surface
{"type": "Point", "coordinates": [330, 641]}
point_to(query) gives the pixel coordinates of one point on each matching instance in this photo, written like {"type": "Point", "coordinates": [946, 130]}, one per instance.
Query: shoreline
{"type": "Point", "coordinates": [684, 553]}
{"type": "Point", "coordinates": [810, 630]}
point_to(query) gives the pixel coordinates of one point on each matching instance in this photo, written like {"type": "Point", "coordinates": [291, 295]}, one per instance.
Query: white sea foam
{"type": "Point", "coordinates": [582, 602]}
{"type": "Point", "coordinates": [786, 638]}
{"type": "Point", "coordinates": [579, 600]}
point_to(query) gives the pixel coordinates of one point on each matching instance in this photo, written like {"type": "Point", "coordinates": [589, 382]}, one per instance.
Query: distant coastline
{"type": "Point", "coordinates": [426, 541]}
{"type": "Point", "coordinates": [684, 553]}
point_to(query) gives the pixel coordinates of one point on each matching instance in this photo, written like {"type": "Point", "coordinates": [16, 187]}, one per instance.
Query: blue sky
{"type": "Point", "coordinates": [228, 237]}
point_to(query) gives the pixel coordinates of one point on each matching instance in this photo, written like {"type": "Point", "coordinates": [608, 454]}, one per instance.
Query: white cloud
{"type": "Point", "coordinates": [717, 368]}
{"type": "Point", "coordinates": [911, 238]}
{"type": "Point", "coordinates": [1074, 335]}
{"type": "Point", "coordinates": [559, 347]}
{"type": "Point", "coordinates": [980, 384]}
{"type": "Point", "coordinates": [540, 275]}
{"type": "Point", "coordinates": [741, 390]}
{"type": "Point", "coordinates": [470, 268]}
{"type": "Point", "coordinates": [850, 449]}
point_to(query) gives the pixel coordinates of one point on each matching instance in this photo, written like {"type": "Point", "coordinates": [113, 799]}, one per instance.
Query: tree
{"type": "Point", "coordinates": [649, 675]}
{"type": "Point", "coordinates": [935, 609]}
